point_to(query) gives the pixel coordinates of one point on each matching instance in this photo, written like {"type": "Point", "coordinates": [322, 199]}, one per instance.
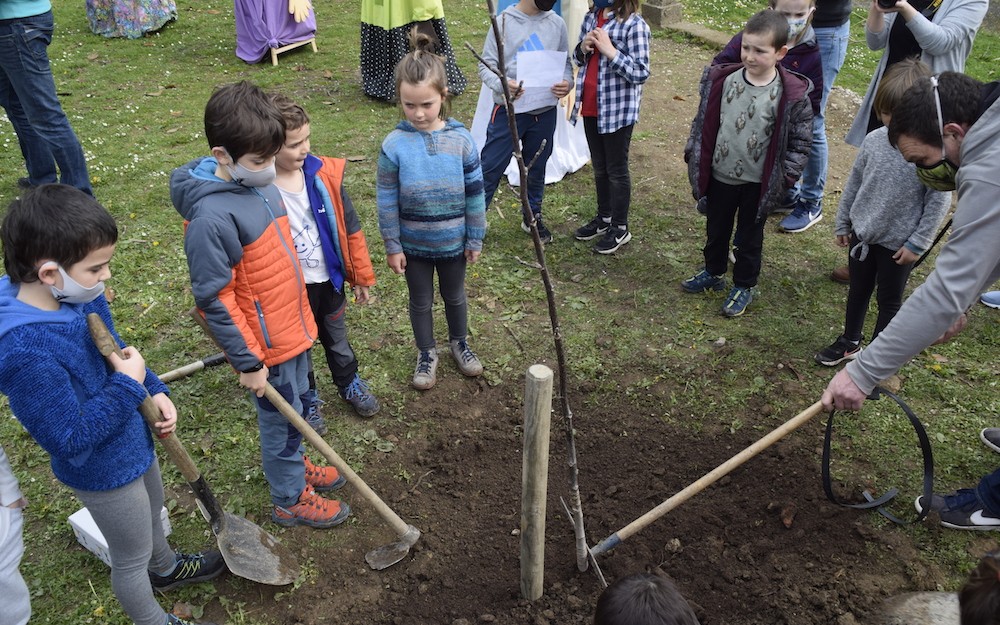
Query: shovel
{"type": "Point", "coordinates": [248, 550]}
{"type": "Point", "coordinates": [188, 369]}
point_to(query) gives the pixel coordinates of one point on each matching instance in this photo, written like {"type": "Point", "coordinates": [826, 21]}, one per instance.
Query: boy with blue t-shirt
{"type": "Point", "coordinates": [529, 25]}
{"type": "Point", "coordinates": [748, 144]}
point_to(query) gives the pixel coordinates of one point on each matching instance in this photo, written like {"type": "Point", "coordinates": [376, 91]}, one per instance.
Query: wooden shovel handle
{"type": "Point", "coordinates": [106, 345]}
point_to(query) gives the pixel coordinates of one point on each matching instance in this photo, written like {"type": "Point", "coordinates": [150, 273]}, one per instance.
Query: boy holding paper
{"type": "Point", "coordinates": [532, 32]}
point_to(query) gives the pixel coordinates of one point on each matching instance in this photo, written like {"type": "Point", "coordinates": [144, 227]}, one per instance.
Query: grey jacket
{"type": "Point", "coordinates": [946, 43]}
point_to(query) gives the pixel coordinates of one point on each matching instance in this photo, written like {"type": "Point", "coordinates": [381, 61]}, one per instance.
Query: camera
{"type": "Point", "coordinates": [887, 4]}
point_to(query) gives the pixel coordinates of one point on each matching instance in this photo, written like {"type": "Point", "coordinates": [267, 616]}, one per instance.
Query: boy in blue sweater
{"type": "Point", "coordinates": [57, 246]}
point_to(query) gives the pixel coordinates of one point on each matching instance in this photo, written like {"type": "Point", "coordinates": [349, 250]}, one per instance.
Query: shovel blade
{"type": "Point", "coordinates": [387, 555]}
{"type": "Point", "coordinates": [252, 553]}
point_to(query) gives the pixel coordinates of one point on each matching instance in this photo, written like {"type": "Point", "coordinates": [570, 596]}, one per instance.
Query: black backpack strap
{"type": "Point", "coordinates": [871, 501]}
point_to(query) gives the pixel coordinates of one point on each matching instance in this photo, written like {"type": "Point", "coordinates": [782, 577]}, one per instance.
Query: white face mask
{"type": "Point", "coordinates": [795, 28]}
{"type": "Point", "coordinates": [250, 178]}
{"type": "Point", "coordinates": [75, 293]}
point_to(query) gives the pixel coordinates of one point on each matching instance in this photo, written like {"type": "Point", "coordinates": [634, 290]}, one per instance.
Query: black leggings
{"type": "Point", "coordinates": [451, 282]}
{"type": "Point", "coordinates": [878, 268]}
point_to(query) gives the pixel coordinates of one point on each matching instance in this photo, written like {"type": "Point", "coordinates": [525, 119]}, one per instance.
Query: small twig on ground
{"type": "Point", "coordinates": [420, 479]}
{"type": "Point", "coordinates": [533, 265]}
{"type": "Point", "coordinates": [514, 336]}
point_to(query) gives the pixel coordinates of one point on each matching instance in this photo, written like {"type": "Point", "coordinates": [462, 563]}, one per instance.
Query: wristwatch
{"type": "Point", "coordinates": [254, 369]}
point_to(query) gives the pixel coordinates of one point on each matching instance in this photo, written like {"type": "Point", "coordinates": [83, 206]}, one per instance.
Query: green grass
{"type": "Point", "coordinates": [137, 107]}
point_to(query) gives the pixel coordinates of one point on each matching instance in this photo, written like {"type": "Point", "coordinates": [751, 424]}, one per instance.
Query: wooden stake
{"type": "Point", "coordinates": [535, 478]}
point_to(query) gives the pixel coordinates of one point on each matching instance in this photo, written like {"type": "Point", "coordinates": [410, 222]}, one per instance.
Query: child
{"type": "Point", "coordinates": [608, 98]}
{"type": "Point", "coordinates": [430, 208]}
{"type": "Point", "coordinates": [979, 597]}
{"type": "Point", "coordinates": [247, 283]}
{"type": "Point", "coordinates": [17, 600]}
{"type": "Point", "coordinates": [331, 248]}
{"type": "Point", "coordinates": [748, 144]}
{"type": "Point", "coordinates": [804, 200]}
{"type": "Point", "coordinates": [528, 25]}
{"type": "Point", "coordinates": [643, 599]}
{"type": "Point", "coordinates": [887, 218]}
{"type": "Point", "coordinates": [57, 243]}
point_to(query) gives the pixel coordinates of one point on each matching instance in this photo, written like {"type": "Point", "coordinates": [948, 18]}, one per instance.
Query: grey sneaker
{"type": "Point", "coordinates": [991, 438]}
{"type": "Point", "coordinates": [425, 375]}
{"type": "Point", "coordinates": [466, 360]}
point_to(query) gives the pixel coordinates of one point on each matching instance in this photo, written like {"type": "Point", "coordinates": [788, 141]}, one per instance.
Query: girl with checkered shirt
{"type": "Point", "coordinates": [613, 56]}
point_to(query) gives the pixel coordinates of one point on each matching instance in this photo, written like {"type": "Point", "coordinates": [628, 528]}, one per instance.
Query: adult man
{"type": "Point", "coordinates": [949, 127]}
{"type": "Point", "coordinates": [28, 94]}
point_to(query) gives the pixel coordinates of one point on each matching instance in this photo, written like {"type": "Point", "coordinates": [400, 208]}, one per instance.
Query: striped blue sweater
{"type": "Point", "coordinates": [430, 192]}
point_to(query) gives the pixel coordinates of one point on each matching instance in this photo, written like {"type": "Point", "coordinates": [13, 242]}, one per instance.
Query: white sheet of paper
{"type": "Point", "coordinates": [538, 70]}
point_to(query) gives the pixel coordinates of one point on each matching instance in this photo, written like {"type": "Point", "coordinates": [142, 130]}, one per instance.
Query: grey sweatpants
{"type": "Point", "coordinates": [16, 600]}
{"type": "Point", "coordinates": [129, 519]}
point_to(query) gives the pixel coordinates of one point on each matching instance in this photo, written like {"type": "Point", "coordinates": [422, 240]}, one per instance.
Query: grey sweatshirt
{"type": "Point", "coordinates": [967, 265]}
{"type": "Point", "coordinates": [884, 203]}
{"type": "Point", "coordinates": [518, 28]}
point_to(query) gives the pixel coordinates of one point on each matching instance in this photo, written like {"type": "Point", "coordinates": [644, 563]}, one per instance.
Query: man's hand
{"type": "Point", "coordinates": [955, 328]}
{"type": "Point", "coordinates": [842, 393]}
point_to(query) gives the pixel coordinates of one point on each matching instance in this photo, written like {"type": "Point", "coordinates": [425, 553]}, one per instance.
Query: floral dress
{"type": "Point", "coordinates": [129, 18]}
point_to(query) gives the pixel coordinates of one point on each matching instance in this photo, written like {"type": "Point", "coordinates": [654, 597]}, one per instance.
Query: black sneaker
{"type": "Point", "coordinates": [592, 229]}
{"type": "Point", "coordinates": [191, 568]}
{"type": "Point", "coordinates": [841, 350]}
{"type": "Point", "coordinates": [962, 510]}
{"type": "Point", "coordinates": [543, 232]}
{"type": "Point", "coordinates": [613, 239]}
{"type": "Point", "coordinates": [991, 438]}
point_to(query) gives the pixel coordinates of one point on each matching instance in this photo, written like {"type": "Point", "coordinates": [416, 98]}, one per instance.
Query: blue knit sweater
{"type": "Point", "coordinates": [68, 398]}
{"type": "Point", "coordinates": [430, 192]}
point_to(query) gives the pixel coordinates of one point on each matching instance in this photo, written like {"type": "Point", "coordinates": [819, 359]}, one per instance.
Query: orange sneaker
{"type": "Point", "coordinates": [312, 510]}
{"type": "Point", "coordinates": [322, 479]}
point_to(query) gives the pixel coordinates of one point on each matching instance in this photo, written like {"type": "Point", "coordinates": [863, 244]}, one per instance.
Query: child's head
{"type": "Point", "coordinates": [764, 39]}
{"type": "Point", "coordinates": [296, 146]}
{"type": "Point", "coordinates": [421, 83]}
{"type": "Point", "coordinates": [897, 79]}
{"type": "Point", "coordinates": [622, 8]}
{"type": "Point", "coordinates": [241, 120]}
{"type": "Point", "coordinates": [979, 598]}
{"type": "Point", "coordinates": [798, 14]}
{"type": "Point", "coordinates": [643, 599]}
{"type": "Point", "coordinates": [54, 223]}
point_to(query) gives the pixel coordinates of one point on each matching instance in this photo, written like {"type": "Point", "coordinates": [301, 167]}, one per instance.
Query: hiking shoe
{"type": "Point", "coordinates": [543, 233]}
{"type": "Point", "coordinates": [322, 479]}
{"type": "Point", "coordinates": [841, 350]}
{"type": "Point", "coordinates": [703, 281]}
{"type": "Point", "coordinates": [737, 301]}
{"type": "Point", "coordinates": [315, 418]}
{"type": "Point", "coordinates": [592, 229]}
{"type": "Point", "coordinates": [466, 360]}
{"type": "Point", "coordinates": [613, 239]}
{"type": "Point", "coordinates": [961, 510]}
{"type": "Point", "coordinates": [312, 510]}
{"type": "Point", "coordinates": [176, 620]}
{"type": "Point", "coordinates": [425, 375]}
{"type": "Point", "coordinates": [802, 218]}
{"type": "Point", "coordinates": [991, 438]}
{"type": "Point", "coordinates": [360, 396]}
{"type": "Point", "coordinates": [191, 568]}
{"type": "Point", "coordinates": [991, 299]}
{"type": "Point", "coordinates": [841, 275]}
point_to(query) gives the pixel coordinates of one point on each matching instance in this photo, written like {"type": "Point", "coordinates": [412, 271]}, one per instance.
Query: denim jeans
{"type": "Point", "coordinates": [28, 94]}
{"type": "Point", "coordinates": [533, 130]}
{"type": "Point", "coordinates": [988, 492]}
{"type": "Point", "coordinates": [832, 49]}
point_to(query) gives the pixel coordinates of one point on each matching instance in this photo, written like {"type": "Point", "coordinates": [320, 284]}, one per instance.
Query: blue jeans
{"type": "Point", "coordinates": [280, 442]}
{"type": "Point", "coordinates": [28, 94]}
{"type": "Point", "coordinates": [832, 49]}
{"type": "Point", "coordinates": [533, 130]}
{"type": "Point", "coordinates": [988, 492]}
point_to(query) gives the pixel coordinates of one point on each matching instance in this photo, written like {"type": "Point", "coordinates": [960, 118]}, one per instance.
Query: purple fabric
{"type": "Point", "coordinates": [265, 24]}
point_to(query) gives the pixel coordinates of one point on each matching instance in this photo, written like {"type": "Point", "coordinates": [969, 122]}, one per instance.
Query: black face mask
{"type": "Point", "coordinates": [545, 5]}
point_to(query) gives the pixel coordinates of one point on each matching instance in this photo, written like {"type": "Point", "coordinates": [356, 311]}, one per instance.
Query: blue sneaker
{"type": "Point", "coordinates": [703, 281]}
{"type": "Point", "coordinates": [314, 417]}
{"type": "Point", "coordinates": [961, 510]}
{"type": "Point", "coordinates": [991, 299]}
{"type": "Point", "coordinates": [358, 394]}
{"type": "Point", "coordinates": [737, 301]}
{"type": "Point", "coordinates": [802, 218]}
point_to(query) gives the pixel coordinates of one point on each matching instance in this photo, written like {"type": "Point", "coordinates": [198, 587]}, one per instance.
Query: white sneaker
{"type": "Point", "coordinates": [991, 299]}
{"type": "Point", "coordinates": [466, 360]}
{"type": "Point", "coordinates": [425, 376]}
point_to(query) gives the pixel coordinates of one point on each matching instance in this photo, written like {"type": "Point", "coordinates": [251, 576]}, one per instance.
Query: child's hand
{"type": "Point", "coordinates": [516, 89]}
{"type": "Point", "coordinates": [603, 43]}
{"type": "Point", "coordinates": [843, 240]}
{"type": "Point", "coordinates": [362, 294]}
{"type": "Point", "coordinates": [256, 381]}
{"type": "Point", "coordinates": [169, 413]}
{"type": "Point", "coordinates": [560, 89]}
{"type": "Point", "coordinates": [472, 256]}
{"type": "Point", "coordinates": [397, 262]}
{"type": "Point", "coordinates": [20, 503]}
{"type": "Point", "coordinates": [133, 365]}
{"type": "Point", "coordinates": [588, 43]}
{"type": "Point", "coordinates": [904, 256]}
